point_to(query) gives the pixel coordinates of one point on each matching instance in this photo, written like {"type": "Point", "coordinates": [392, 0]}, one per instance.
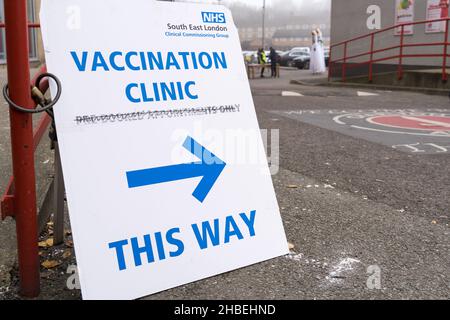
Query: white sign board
{"type": "Point", "coordinates": [155, 127]}
{"type": "Point", "coordinates": [404, 13]}
{"type": "Point", "coordinates": [436, 9]}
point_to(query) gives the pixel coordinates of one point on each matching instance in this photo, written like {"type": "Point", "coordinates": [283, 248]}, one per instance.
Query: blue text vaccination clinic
{"type": "Point", "coordinates": [118, 61]}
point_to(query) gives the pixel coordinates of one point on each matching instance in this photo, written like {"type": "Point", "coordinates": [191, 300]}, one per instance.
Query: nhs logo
{"type": "Point", "coordinates": [213, 17]}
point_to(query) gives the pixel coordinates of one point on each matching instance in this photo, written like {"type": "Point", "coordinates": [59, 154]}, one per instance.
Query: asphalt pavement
{"type": "Point", "coordinates": [366, 218]}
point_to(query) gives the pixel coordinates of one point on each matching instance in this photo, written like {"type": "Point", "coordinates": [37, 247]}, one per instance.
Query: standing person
{"type": "Point", "coordinates": [317, 60]}
{"type": "Point", "coordinates": [262, 60]}
{"type": "Point", "coordinates": [312, 57]}
{"type": "Point", "coordinates": [322, 65]}
{"type": "Point", "coordinates": [273, 62]}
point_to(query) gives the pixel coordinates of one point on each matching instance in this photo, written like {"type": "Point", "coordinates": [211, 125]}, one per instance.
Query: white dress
{"type": "Point", "coordinates": [317, 60]}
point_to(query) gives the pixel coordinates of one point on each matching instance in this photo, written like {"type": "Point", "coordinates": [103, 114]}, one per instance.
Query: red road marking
{"type": "Point", "coordinates": [428, 123]}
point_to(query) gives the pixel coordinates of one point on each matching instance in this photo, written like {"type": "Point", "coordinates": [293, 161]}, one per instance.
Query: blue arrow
{"type": "Point", "coordinates": [210, 167]}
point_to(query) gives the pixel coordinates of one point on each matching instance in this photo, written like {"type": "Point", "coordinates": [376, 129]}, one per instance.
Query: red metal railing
{"type": "Point", "coordinates": [345, 61]}
{"type": "Point", "coordinates": [30, 25]}
{"type": "Point", "coordinates": [19, 199]}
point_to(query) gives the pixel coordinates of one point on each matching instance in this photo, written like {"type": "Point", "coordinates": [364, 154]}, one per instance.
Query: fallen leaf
{"type": "Point", "coordinates": [66, 254]}
{"type": "Point", "coordinates": [42, 244]}
{"type": "Point", "coordinates": [49, 242]}
{"type": "Point", "coordinates": [292, 186]}
{"type": "Point", "coordinates": [69, 243]}
{"type": "Point", "coordinates": [50, 264]}
{"type": "Point", "coordinates": [290, 246]}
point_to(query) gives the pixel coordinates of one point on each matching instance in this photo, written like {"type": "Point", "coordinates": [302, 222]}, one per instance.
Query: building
{"type": "Point", "coordinates": [282, 32]}
{"type": "Point", "coordinates": [281, 37]}
{"type": "Point", "coordinates": [285, 39]}
{"type": "Point", "coordinates": [35, 40]}
{"type": "Point", "coordinates": [352, 18]}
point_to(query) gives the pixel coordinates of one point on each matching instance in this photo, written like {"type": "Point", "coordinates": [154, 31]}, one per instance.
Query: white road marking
{"type": "Point", "coordinates": [441, 148]}
{"type": "Point", "coordinates": [431, 134]}
{"type": "Point", "coordinates": [366, 94]}
{"type": "Point", "coordinates": [291, 94]}
{"type": "Point", "coordinates": [337, 119]}
{"type": "Point", "coordinates": [412, 147]}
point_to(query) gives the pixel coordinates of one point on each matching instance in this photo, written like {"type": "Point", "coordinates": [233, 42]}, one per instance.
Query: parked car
{"type": "Point", "coordinates": [303, 62]}
{"type": "Point", "coordinates": [304, 49]}
{"type": "Point", "coordinates": [287, 59]}
{"type": "Point", "coordinates": [250, 56]}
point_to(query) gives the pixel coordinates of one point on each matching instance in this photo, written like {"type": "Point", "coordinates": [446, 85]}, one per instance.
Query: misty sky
{"type": "Point", "coordinates": [258, 3]}
{"type": "Point", "coordinates": [270, 2]}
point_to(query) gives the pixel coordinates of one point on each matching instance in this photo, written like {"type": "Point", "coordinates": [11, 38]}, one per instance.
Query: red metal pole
{"type": "Point", "coordinates": [444, 64]}
{"type": "Point", "coordinates": [371, 57]}
{"type": "Point", "coordinates": [344, 65]}
{"type": "Point", "coordinates": [400, 62]}
{"type": "Point", "coordinates": [22, 146]}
